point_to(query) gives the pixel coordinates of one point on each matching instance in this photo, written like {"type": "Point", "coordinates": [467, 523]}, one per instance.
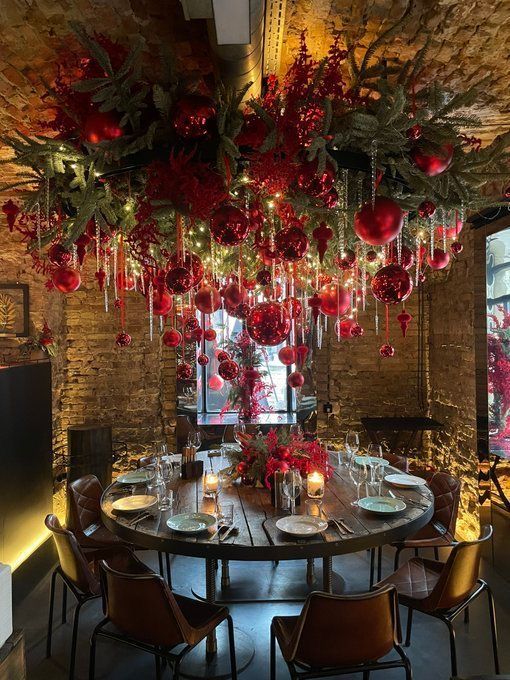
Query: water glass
{"type": "Point", "coordinates": [161, 489]}
{"type": "Point", "coordinates": [226, 513]}
{"type": "Point", "coordinates": [377, 476]}
{"type": "Point", "coordinates": [358, 472]}
{"type": "Point", "coordinates": [351, 444]}
{"type": "Point", "coordinates": [291, 487]}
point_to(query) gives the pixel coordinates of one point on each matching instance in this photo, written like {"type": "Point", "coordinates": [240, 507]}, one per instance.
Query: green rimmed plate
{"type": "Point", "coordinates": [382, 505]}
{"type": "Point", "coordinates": [371, 460]}
{"type": "Point", "coordinates": [191, 522]}
{"type": "Point", "coordinates": [136, 476]}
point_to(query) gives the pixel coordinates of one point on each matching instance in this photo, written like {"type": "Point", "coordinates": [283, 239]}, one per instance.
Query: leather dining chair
{"type": "Point", "coordinates": [445, 589]}
{"type": "Point", "coordinates": [340, 634]}
{"type": "Point", "coordinates": [78, 576]}
{"type": "Point", "coordinates": [147, 615]}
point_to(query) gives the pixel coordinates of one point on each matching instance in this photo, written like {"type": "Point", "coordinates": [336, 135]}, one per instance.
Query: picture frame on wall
{"type": "Point", "coordinates": [14, 310]}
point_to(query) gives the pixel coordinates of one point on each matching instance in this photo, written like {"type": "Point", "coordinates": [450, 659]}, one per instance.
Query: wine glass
{"type": "Point", "coordinates": [291, 487]}
{"type": "Point", "coordinates": [295, 430]}
{"type": "Point", "coordinates": [195, 439]}
{"type": "Point", "coordinates": [377, 476]}
{"type": "Point", "coordinates": [239, 429]}
{"type": "Point", "coordinates": [358, 472]}
{"type": "Point", "coordinates": [351, 444]}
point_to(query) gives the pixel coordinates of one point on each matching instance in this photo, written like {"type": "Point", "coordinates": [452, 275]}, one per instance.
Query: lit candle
{"type": "Point", "coordinates": [211, 484]}
{"type": "Point", "coordinates": [315, 484]}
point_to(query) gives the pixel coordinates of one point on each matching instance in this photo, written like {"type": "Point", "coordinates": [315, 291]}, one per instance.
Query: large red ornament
{"type": "Point", "coordinates": [207, 299]}
{"type": "Point", "coordinates": [287, 355]}
{"type": "Point", "coordinates": [66, 279]}
{"type": "Point", "coordinates": [229, 225]}
{"type": "Point", "coordinates": [439, 260]}
{"type": "Point", "coordinates": [330, 198]}
{"type": "Point", "coordinates": [291, 244]}
{"type": "Point", "coordinates": [210, 334]}
{"type": "Point", "coordinates": [392, 284]}
{"type": "Point", "coordinates": [123, 339]}
{"type": "Point", "coordinates": [335, 300]}
{"type": "Point", "coordinates": [194, 116]}
{"type": "Point", "coordinates": [101, 126]}
{"type": "Point", "coordinates": [179, 280]}
{"type": "Point", "coordinates": [161, 302]}
{"type": "Point", "coordinates": [268, 323]}
{"type": "Point", "coordinates": [379, 224]}
{"type": "Point", "coordinates": [58, 255]}
{"type": "Point", "coordinates": [191, 262]}
{"type": "Point", "coordinates": [228, 370]}
{"type": "Point", "coordinates": [215, 382]}
{"type": "Point", "coordinates": [432, 163]}
{"type": "Point", "coordinates": [322, 234]}
{"type": "Point", "coordinates": [313, 183]}
{"type": "Point", "coordinates": [386, 351]}
{"type": "Point", "coordinates": [296, 380]}
{"type": "Point", "coordinates": [172, 338]}
{"type": "Point", "coordinates": [184, 371]}
{"type": "Point", "coordinates": [346, 259]}
{"type": "Point", "coordinates": [234, 295]}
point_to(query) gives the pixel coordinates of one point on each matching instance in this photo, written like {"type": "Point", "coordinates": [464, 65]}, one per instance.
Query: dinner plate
{"type": "Point", "coordinates": [191, 522]}
{"type": "Point", "coordinates": [382, 505]}
{"type": "Point", "coordinates": [134, 503]}
{"type": "Point", "coordinates": [301, 525]}
{"type": "Point", "coordinates": [136, 476]}
{"type": "Point", "coordinates": [404, 481]}
{"type": "Point", "coordinates": [371, 460]}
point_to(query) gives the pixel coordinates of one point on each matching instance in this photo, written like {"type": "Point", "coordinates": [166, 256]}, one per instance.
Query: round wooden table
{"type": "Point", "coordinates": [257, 537]}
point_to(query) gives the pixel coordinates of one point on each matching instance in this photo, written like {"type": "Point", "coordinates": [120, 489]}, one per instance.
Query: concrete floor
{"type": "Point", "coordinates": [428, 652]}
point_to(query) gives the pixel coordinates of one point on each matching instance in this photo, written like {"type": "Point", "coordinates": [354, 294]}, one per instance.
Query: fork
{"type": "Point", "coordinates": [332, 521]}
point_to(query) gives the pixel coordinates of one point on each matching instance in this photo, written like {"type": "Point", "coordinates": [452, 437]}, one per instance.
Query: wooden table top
{"type": "Point", "coordinates": [258, 538]}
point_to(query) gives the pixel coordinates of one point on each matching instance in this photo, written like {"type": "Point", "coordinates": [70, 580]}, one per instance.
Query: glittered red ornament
{"type": "Point", "coordinates": [404, 319]}
{"type": "Point", "coordinates": [322, 234]}
{"type": "Point", "coordinates": [371, 256]}
{"type": "Point", "coordinates": [296, 380]}
{"type": "Point", "coordinates": [379, 224]}
{"type": "Point", "coordinates": [229, 225]}
{"type": "Point", "coordinates": [456, 248]}
{"type": "Point", "coordinates": [330, 199]}
{"type": "Point", "coordinates": [179, 280]}
{"type": "Point", "coordinates": [242, 310]}
{"type": "Point", "coordinates": [291, 244]}
{"type": "Point", "coordinates": [439, 260]}
{"type": "Point", "coordinates": [357, 331]}
{"type": "Point", "coordinates": [234, 295]}
{"type": "Point", "coordinates": [221, 355]}
{"type": "Point", "coordinates": [161, 302]}
{"type": "Point", "coordinates": [293, 306]}
{"type": "Point", "coordinates": [194, 116]}
{"type": "Point", "coordinates": [123, 339]}
{"type": "Point", "coordinates": [432, 163]}
{"type": "Point", "coordinates": [335, 299]}
{"type": "Point", "coordinates": [191, 262]}
{"type": "Point", "coordinates": [392, 284]}
{"type": "Point", "coordinates": [386, 351]}
{"type": "Point", "coordinates": [101, 126]}
{"type": "Point", "coordinates": [414, 132]}
{"type": "Point", "coordinates": [287, 355]}
{"type": "Point", "coordinates": [202, 359]}
{"type": "Point", "coordinates": [346, 259]}
{"type": "Point", "coordinates": [207, 299]}
{"type": "Point", "coordinates": [184, 371]}
{"type": "Point", "coordinates": [191, 324]}
{"type": "Point", "coordinates": [172, 338]}
{"type": "Point", "coordinates": [228, 370]}
{"type": "Point", "coordinates": [264, 277]}
{"type": "Point", "coordinates": [66, 279]}
{"type": "Point", "coordinates": [215, 382]}
{"type": "Point", "coordinates": [210, 334]}
{"type": "Point", "coordinates": [426, 209]}
{"type": "Point", "coordinates": [313, 183]}
{"type": "Point", "coordinates": [268, 323]}
{"type": "Point", "coordinates": [58, 255]}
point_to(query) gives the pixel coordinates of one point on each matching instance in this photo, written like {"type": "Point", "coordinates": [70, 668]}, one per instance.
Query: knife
{"type": "Point", "coordinates": [227, 534]}
{"type": "Point", "coordinates": [346, 526]}
{"type": "Point", "coordinates": [139, 518]}
{"type": "Point", "coordinates": [334, 522]}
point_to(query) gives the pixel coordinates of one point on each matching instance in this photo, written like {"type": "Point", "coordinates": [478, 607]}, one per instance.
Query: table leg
{"type": "Point", "coordinates": [210, 594]}
{"type": "Point", "coordinates": [225, 574]}
{"type": "Point", "coordinates": [327, 574]}
{"type": "Point", "coordinates": [310, 575]}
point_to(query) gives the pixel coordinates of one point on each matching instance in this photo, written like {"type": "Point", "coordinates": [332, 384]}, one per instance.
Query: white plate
{"type": "Point", "coordinates": [301, 525]}
{"type": "Point", "coordinates": [191, 522]}
{"type": "Point", "coordinates": [136, 476]}
{"type": "Point", "coordinates": [371, 460]}
{"type": "Point", "coordinates": [134, 503]}
{"type": "Point", "coordinates": [404, 481]}
{"type": "Point", "coordinates": [382, 505]}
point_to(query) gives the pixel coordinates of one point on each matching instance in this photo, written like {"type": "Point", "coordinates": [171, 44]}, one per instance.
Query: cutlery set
{"type": "Point", "coordinates": [339, 524]}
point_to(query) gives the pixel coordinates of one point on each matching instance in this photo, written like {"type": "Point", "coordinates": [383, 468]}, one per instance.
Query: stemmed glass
{"type": "Point", "coordinates": [195, 439]}
{"type": "Point", "coordinates": [358, 473]}
{"type": "Point", "coordinates": [239, 429]}
{"type": "Point", "coordinates": [351, 444]}
{"type": "Point", "coordinates": [295, 430]}
{"type": "Point", "coordinates": [291, 487]}
{"type": "Point", "coordinates": [377, 476]}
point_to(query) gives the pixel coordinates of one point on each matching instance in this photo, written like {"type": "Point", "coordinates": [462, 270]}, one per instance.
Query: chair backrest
{"type": "Point", "coordinates": [446, 490]}
{"type": "Point", "coordinates": [459, 573]}
{"type": "Point", "coordinates": [345, 630]}
{"type": "Point", "coordinates": [73, 562]}
{"type": "Point", "coordinates": [398, 462]}
{"type": "Point", "coordinates": [142, 607]}
{"type": "Point", "coordinates": [83, 504]}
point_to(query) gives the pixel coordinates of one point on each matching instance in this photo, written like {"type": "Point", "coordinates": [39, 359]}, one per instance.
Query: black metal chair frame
{"type": "Point", "coordinates": [159, 653]}
{"type": "Point", "coordinates": [298, 671]}
{"type": "Point", "coordinates": [81, 599]}
{"type": "Point", "coordinates": [449, 616]}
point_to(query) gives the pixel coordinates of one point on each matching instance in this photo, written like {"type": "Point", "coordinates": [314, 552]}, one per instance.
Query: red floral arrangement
{"type": "Point", "coordinates": [261, 456]}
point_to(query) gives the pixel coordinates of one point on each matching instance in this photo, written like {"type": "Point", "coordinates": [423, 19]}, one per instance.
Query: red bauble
{"type": "Point", "coordinates": [386, 351]}
{"type": "Point", "coordinates": [194, 116]}
{"type": "Point", "coordinates": [392, 284]}
{"type": "Point", "coordinates": [66, 279]}
{"type": "Point", "coordinates": [346, 259]}
{"type": "Point", "coordinates": [287, 355]}
{"type": "Point", "coordinates": [191, 262]}
{"type": "Point", "coordinates": [379, 224]}
{"type": "Point", "coordinates": [432, 163]}
{"type": "Point", "coordinates": [58, 255]}
{"type": "Point", "coordinates": [414, 132]}
{"type": "Point", "coordinates": [221, 355]}
{"type": "Point", "coordinates": [184, 371]}
{"type": "Point", "coordinates": [207, 299]}
{"type": "Point", "coordinates": [406, 257]}
{"type": "Point", "coordinates": [242, 467]}
{"type": "Point", "coordinates": [179, 280]}
{"type": "Point", "coordinates": [349, 328]}
{"type": "Point", "coordinates": [249, 284]}
{"type": "Point", "coordinates": [229, 225]}
{"type": "Point", "coordinates": [101, 126]}
{"type": "Point", "coordinates": [228, 370]}
{"type": "Point", "coordinates": [335, 300]}
{"type": "Point", "coordinates": [264, 277]}
{"type": "Point", "coordinates": [371, 256]}
{"type": "Point", "coordinates": [296, 380]}
{"type": "Point", "coordinates": [123, 339]}
{"type": "Point", "coordinates": [210, 334]}
{"type": "Point", "coordinates": [274, 291]}
{"type": "Point", "coordinates": [203, 359]}
{"type": "Point", "coordinates": [293, 306]}
{"type": "Point", "coordinates": [191, 324]}
{"type": "Point", "coordinates": [268, 323]}
{"type": "Point", "coordinates": [234, 295]}
{"type": "Point", "coordinates": [242, 310]}
{"type": "Point", "coordinates": [125, 282]}
{"type": "Point", "coordinates": [426, 209]}
{"type": "Point", "coordinates": [172, 338]}
{"type": "Point", "coordinates": [197, 335]}
{"type": "Point", "coordinates": [291, 244]}
{"type": "Point", "coordinates": [439, 260]}
{"type": "Point", "coordinates": [451, 232]}
{"type": "Point", "coordinates": [456, 248]}
{"type": "Point", "coordinates": [215, 382]}
{"type": "Point", "coordinates": [313, 183]}
{"type": "Point", "coordinates": [162, 302]}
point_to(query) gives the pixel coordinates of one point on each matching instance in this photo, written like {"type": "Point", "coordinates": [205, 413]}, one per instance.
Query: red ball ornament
{"type": "Point", "coordinates": [203, 359]}
{"type": "Point", "coordinates": [335, 300]}
{"type": "Point", "coordinates": [66, 279]}
{"type": "Point", "coordinates": [379, 224]}
{"type": "Point", "coordinates": [346, 259]}
{"type": "Point", "coordinates": [249, 284]}
{"type": "Point", "coordinates": [191, 262]}
{"type": "Point", "coordinates": [215, 382]}
{"type": "Point", "coordinates": [221, 355]}
{"type": "Point", "coordinates": [58, 255]}
{"type": "Point", "coordinates": [426, 209]}
{"type": "Point", "coordinates": [229, 225]}
{"type": "Point", "coordinates": [293, 306]}
{"type": "Point", "coordinates": [432, 163]}
{"type": "Point", "coordinates": [228, 370]}
{"type": "Point", "coordinates": [268, 323]}
{"type": "Point", "coordinates": [242, 468]}
{"type": "Point", "coordinates": [194, 116]}
{"type": "Point", "coordinates": [456, 248]}
{"type": "Point", "coordinates": [386, 351]}
{"type": "Point", "coordinates": [296, 380]}
{"type": "Point", "coordinates": [179, 280]}
{"type": "Point", "coordinates": [210, 334]}
{"type": "Point", "coordinates": [172, 338]}
{"type": "Point", "coordinates": [451, 232]}
{"type": "Point", "coordinates": [357, 331]}
{"type": "Point", "coordinates": [191, 324]}
{"type": "Point", "coordinates": [291, 244]}
{"type": "Point", "coordinates": [414, 132]}
{"type": "Point", "coordinates": [348, 328]}
{"type": "Point", "coordinates": [101, 126]}
{"type": "Point", "coordinates": [207, 299]}
{"type": "Point", "coordinates": [242, 310]}
{"type": "Point", "coordinates": [371, 256]}
{"type": "Point", "coordinates": [313, 183]}
{"type": "Point", "coordinates": [287, 355]}
{"type": "Point", "coordinates": [439, 260]}
{"type": "Point", "coordinates": [392, 284]}
{"type": "Point", "coordinates": [161, 302]}
{"type": "Point", "coordinates": [234, 295]}
{"type": "Point", "coordinates": [263, 277]}
{"type": "Point", "coordinates": [123, 339]}
{"type": "Point", "coordinates": [184, 371]}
